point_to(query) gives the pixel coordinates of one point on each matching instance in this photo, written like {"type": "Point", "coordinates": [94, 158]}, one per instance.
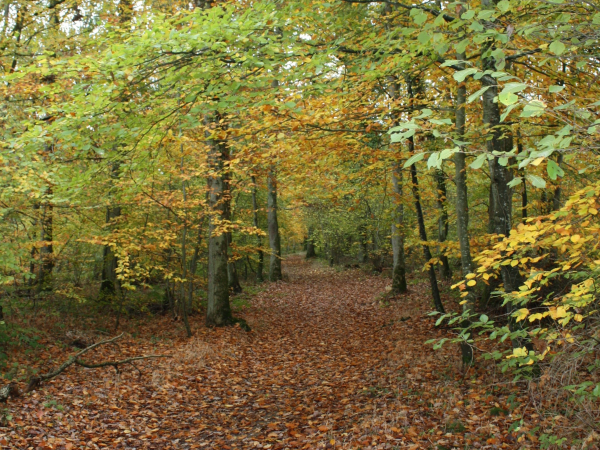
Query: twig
{"type": "Point", "coordinates": [35, 382]}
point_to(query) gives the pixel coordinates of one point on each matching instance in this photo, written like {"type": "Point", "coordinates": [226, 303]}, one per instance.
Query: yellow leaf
{"type": "Point", "coordinates": [535, 316]}
{"type": "Point", "coordinates": [518, 352]}
{"type": "Point", "coordinates": [521, 314]}
{"type": "Point", "coordinates": [471, 283]}
{"type": "Point", "coordinates": [578, 317]}
{"type": "Point", "coordinates": [575, 238]}
{"type": "Point", "coordinates": [537, 161]}
{"type": "Point", "coordinates": [514, 262]}
{"type": "Point", "coordinates": [470, 276]}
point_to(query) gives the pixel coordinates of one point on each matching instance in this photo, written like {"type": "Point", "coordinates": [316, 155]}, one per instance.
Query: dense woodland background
{"type": "Point", "coordinates": [162, 157]}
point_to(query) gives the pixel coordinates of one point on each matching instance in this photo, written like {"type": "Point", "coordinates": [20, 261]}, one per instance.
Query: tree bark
{"type": "Point", "coordinates": [556, 199]}
{"type": "Point", "coordinates": [440, 177]}
{"type": "Point", "coordinates": [462, 207]}
{"type": "Point", "coordinates": [274, 238]}
{"type": "Point", "coordinates": [435, 293]}
{"type": "Point", "coordinates": [260, 253]}
{"type": "Point", "coordinates": [46, 250]}
{"type": "Point", "coordinates": [399, 269]}
{"type": "Point", "coordinates": [310, 244]}
{"type": "Point", "coordinates": [218, 311]}
{"type": "Point", "coordinates": [232, 273]}
{"type": "Point", "coordinates": [499, 142]}
{"type": "Point", "coordinates": [109, 283]}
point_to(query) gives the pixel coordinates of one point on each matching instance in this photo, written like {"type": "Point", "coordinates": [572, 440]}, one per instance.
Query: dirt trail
{"type": "Point", "coordinates": [326, 365]}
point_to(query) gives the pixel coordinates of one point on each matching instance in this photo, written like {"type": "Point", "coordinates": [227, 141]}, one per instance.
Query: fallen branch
{"type": "Point", "coordinates": [34, 382]}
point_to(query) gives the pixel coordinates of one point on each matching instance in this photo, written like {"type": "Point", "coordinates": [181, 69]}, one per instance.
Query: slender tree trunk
{"type": "Point", "coordinates": [310, 244]}
{"type": "Point", "coordinates": [183, 300]}
{"type": "Point", "coordinates": [109, 283]}
{"type": "Point", "coordinates": [499, 142]}
{"type": "Point", "coordinates": [435, 293]}
{"type": "Point", "coordinates": [363, 251]}
{"type": "Point", "coordinates": [46, 250]}
{"type": "Point", "coordinates": [399, 263]}
{"type": "Point", "coordinates": [491, 208]}
{"type": "Point", "coordinates": [232, 273]}
{"type": "Point", "coordinates": [523, 184]}
{"type": "Point", "coordinates": [440, 177]}
{"type": "Point", "coordinates": [260, 253]}
{"type": "Point", "coordinates": [218, 311]}
{"type": "Point", "coordinates": [399, 270]}
{"type": "Point", "coordinates": [193, 267]}
{"type": "Point", "coordinates": [274, 238]}
{"type": "Point", "coordinates": [462, 208]}
{"type": "Point", "coordinates": [556, 199]}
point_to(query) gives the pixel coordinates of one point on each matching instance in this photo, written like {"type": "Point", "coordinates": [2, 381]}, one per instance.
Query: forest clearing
{"type": "Point", "coordinates": [303, 224]}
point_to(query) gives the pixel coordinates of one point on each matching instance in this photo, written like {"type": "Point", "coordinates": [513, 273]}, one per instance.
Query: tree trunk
{"type": "Point", "coordinates": [183, 301]}
{"type": "Point", "coordinates": [47, 250]}
{"type": "Point", "coordinates": [218, 311]}
{"type": "Point", "coordinates": [399, 263]}
{"type": "Point", "coordinates": [556, 199]}
{"type": "Point", "coordinates": [462, 207]}
{"type": "Point", "coordinates": [310, 244]}
{"type": "Point", "coordinates": [109, 283]}
{"type": "Point", "coordinates": [435, 293]}
{"type": "Point", "coordinates": [274, 238]}
{"type": "Point", "coordinates": [499, 142]}
{"type": "Point", "coordinates": [261, 256]}
{"type": "Point", "coordinates": [232, 273]}
{"type": "Point", "coordinates": [399, 270]}
{"type": "Point", "coordinates": [440, 177]}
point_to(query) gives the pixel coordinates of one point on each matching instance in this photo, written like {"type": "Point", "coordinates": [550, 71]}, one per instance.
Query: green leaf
{"type": "Point", "coordinates": [507, 112]}
{"type": "Point", "coordinates": [414, 159]}
{"type": "Point", "coordinates": [420, 18]}
{"type": "Point", "coordinates": [508, 98]}
{"type": "Point", "coordinates": [514, 87]}
{"type": "Point", "coordinates": [536, 181]}
{"type": "Point", "coordinates": [554, 170]}
{"type": "Point", "coordinates": [424, 37]}
{"type": "Point", "coordinates": [515, 182]}
{"type": "Point", "coordinates": [462, 74]}
{"type": "Point", "coordinates": [533, 108]}
{"type": "Point", "coordinates": [503, 5]}
{"type": "Point", "coordinates": [448, 152]}
{"type": "Point", "coordinates": [468, 15]}
{"type": "Point", "coordinates": [478, 161]}
{"type": "Point", "coordinates": [557, 47]}
{"type": "Point", "coordinates": [555, 88]}
{"type": "Point", "coordinates": [486, 14]}
{"type": "Point", "coordinates": [433, 160]}
{"type": "Point", "coordinates": [483, 318]}
{"type": "Point", "coordinates": [477, 94]}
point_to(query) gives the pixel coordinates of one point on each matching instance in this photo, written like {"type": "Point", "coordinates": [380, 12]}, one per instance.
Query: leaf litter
{"type": "Point", "coordinates": [326, 365]}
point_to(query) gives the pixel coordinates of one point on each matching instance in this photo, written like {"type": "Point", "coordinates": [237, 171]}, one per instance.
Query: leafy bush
{"type": "Point", "coordinates": [552, 321]}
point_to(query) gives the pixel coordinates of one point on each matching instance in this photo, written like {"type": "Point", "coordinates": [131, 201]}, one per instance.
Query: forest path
{"type": "Point", "coordinates": [326, 365]}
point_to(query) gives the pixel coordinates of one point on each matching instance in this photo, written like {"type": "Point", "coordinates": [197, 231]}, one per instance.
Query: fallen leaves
{"type": "Point", "coordinates": [317, 371]}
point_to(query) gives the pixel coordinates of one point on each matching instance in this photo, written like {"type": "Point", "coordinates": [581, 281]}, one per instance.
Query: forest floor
{"type": "Point", "coordinates": [326, 365]}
